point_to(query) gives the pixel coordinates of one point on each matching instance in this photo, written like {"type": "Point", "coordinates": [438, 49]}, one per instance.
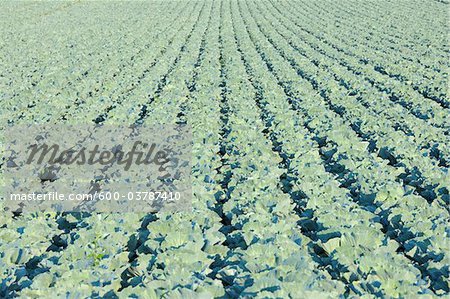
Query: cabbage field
{"type": "Point", "coordinates": [320, 155]}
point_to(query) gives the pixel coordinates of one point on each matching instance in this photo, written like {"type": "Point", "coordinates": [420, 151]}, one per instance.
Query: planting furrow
{"type": "Point", "coordinates": [420, 170]}
{"type": "Point", "coordinates": [197, 233]}
{"type": "Point", "coordinates": [128, 73]}
{"type": "Point", "coordinates": [406, 218]}
{"type": "Point", "coordinates": [267, 254]}
{"type": "Point", "coordinates": [427, 137]}
{"type": "Point", "coordinates": [396, 32]}
{"type": "Point", "coordinates": [320, 134]}
{"type": "Point", "coordinates": [59, 241]}
{"type": "Point", "coordinates": [160, 255]}
{"type": "Point", "coordinates": [296, 120]}
{"type": "Point", "coordinates": [359, 170]}
{"type": "Point", "coordinates": [287, 179]}
{"type": "Point", "coordinates": [136, 102]}
{"type": "Point", "coordinates": [152, 73]}
{"type": "Point", "coordinates": [423, 69]}
{"type": "Point", "coordinates": [57, 82]}
{"type": "Point", "coordinates": [54, 269]}
{"type": "Point", "coordinates": [333, 209]}
{"type": "Point", "coordinates": [392, 35]}
{"type": "Point", "coordinates": [398, 28]}
{"type": "Point", "coordinates": [428, 80]}
{"type": "Point", "coordinates": [405, 95]}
